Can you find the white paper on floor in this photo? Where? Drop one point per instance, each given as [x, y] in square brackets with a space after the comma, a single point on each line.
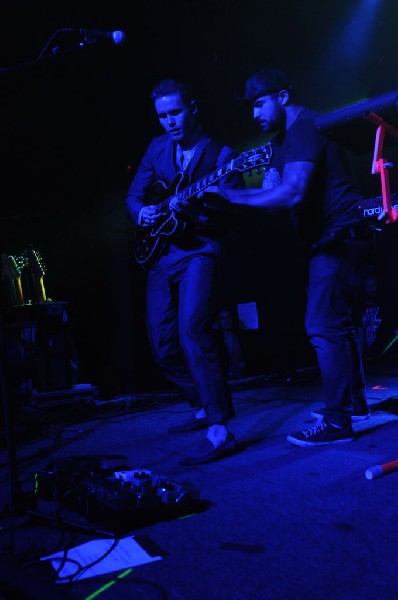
[98, 557]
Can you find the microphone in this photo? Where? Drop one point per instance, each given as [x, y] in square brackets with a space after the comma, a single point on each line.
[117, 37]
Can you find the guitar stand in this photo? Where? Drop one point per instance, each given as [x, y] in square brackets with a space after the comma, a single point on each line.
[381, 166]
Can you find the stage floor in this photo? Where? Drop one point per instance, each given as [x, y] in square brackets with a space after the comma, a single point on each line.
[273, 521]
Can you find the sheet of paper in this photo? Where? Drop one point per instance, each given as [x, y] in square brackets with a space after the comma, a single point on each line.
[98, 557]
[248, 316]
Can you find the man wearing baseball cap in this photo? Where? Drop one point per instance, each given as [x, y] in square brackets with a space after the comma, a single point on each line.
[266, 81]
[312, 177]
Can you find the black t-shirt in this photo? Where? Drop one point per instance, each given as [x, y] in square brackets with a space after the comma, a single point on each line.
[331, 203]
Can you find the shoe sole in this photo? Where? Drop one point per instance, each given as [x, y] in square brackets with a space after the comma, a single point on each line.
[205, 460]
[297, 442]
[217, 453]
[189, 426]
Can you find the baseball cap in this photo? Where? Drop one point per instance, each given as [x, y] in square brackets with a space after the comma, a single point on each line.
[264, 82]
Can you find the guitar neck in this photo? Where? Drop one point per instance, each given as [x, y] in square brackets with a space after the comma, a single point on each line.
[40, 289]
[19, 291]
[198, 186]
[248, 160]
[201, 184]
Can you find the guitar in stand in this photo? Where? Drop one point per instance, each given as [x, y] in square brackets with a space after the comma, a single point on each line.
[12, 273]
[36, 268]
[151, 242]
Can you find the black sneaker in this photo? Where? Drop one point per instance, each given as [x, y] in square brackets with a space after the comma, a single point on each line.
[358, 415]
[321, 433]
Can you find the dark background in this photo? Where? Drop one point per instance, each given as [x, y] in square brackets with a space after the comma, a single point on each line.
[75, 123]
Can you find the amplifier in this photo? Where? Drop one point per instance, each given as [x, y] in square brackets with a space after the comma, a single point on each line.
[45, 326]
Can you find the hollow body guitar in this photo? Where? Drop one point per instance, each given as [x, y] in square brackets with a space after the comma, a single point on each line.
[151, 242]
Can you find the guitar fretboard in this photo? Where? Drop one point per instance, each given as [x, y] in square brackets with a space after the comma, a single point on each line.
[203, 183]
[244, 162]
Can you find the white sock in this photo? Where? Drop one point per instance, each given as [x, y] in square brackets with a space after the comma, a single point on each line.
[200, 414]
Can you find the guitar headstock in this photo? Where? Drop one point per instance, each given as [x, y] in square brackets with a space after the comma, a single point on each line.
[254, 158]
[34, 262]
[12, 265]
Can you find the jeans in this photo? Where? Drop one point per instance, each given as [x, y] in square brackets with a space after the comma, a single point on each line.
[181, 308]
[335, 278]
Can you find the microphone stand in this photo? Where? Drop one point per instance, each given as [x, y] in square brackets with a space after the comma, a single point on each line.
[81, 38]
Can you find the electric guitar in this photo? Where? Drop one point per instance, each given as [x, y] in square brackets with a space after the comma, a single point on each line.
[36, 267]
[12, 269]
[151, 242]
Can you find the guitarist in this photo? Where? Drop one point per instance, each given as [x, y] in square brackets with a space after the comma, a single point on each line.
[312, 177]
[182, 279]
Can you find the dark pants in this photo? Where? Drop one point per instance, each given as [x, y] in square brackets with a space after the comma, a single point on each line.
[181, 308]
[335, 279]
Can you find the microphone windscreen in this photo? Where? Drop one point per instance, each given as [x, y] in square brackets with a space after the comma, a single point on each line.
[119, 37]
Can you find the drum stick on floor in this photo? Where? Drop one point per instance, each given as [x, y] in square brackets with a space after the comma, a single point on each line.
[380, 470]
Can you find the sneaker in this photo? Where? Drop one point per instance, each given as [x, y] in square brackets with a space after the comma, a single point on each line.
[321, 433]
[357, 416]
